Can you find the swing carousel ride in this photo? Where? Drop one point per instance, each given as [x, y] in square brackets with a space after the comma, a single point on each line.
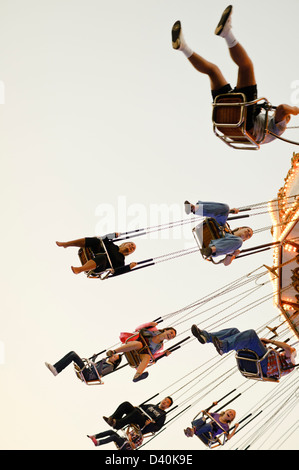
[285, 270]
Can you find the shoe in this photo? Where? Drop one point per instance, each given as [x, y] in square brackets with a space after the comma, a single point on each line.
[51, 368]
[138, 377]
[110, 421]
[175, 35]
[198, 334]
[110, 353]
[93, 440]
[218, 345]
[188, 207]
[225, 22]
[188, 432]
[206, 252]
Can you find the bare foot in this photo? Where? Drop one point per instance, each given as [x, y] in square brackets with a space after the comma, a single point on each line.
[61, 244]
[75, 270]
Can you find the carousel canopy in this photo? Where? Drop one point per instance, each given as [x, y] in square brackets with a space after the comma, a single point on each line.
[285, 272]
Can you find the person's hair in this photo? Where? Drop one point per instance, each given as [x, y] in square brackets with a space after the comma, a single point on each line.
[170, 399]
[126, 243]
[239, 228]
[169, 328]
[117, 362]
[229, 421]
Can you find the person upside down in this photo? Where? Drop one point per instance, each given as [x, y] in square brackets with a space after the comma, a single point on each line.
[246, 82]
[154, 339]
[232, 241]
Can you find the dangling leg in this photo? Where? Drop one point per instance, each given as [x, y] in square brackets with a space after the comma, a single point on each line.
[80, 243]
[89, 266]
[111, 436]
[145, 359]
[237, 52]
[202, 65]
[130, 346]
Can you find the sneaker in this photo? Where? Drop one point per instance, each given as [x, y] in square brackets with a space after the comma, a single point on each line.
[218, 345]
[225, 22]
[51, 368]
[138, 377]
[188, 432]
[206, 252]
[188, 207]
[199, 334]
[175, 35]
[93, 440]
[110, 353]
[110, 421]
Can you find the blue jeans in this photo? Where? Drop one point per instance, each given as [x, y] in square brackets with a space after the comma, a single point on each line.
[219, 212]
[232, 340]
[201, 427]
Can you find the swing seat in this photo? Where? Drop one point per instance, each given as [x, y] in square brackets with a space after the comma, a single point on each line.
[249, 364]
[208, 439]
[91, 365]
[229, 120]
[86, 254]
[134, 357]
[205, 232]
[133, 433]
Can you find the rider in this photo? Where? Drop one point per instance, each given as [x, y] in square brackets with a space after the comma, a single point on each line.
[246, 82]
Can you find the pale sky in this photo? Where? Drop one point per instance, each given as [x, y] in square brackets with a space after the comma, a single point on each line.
[104, 127]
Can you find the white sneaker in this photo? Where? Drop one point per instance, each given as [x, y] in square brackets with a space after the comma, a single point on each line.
[189, 207]
[224, 24]
[51, 368]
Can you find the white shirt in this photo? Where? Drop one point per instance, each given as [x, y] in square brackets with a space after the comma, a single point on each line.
[277, 128]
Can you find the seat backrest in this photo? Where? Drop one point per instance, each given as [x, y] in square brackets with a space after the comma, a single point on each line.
[249, 364]
[85, 254]
[79, 374]
[206, 231]
[224, 111]
[247, 361]
[133, 357]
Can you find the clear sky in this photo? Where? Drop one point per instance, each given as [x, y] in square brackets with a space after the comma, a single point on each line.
[104, 127]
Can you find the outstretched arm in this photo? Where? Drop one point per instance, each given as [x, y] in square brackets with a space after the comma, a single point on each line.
[284, 111]
[230, 435]
[279, 344]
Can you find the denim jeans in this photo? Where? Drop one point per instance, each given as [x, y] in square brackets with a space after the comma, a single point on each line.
[201, 426]
[232, 340]
[219, 212]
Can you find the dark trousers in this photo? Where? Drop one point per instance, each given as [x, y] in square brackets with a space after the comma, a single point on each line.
[132, 415]
[67, 360]
[111, 436]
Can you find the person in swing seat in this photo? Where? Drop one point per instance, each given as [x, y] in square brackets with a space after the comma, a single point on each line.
[154, 339]
[100, 263]
[232, 241]
[231, 339]
[246, 82]
[150, 418]
[220, 423]
[104, 366]
[132, 440]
